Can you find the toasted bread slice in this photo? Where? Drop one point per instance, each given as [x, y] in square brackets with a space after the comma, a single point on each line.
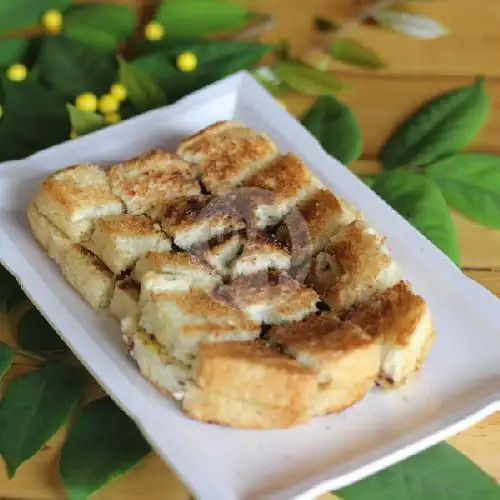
[261, 253]
[355, 265]
[73, 197]
[152, 178]
[289, 181]
[88, 275]
[270, 298]
[181, 319]
[401, 321]
[221, 255]
[120, 240]
[256, 373]
[227, 153]
[182, 266]
[125, 298]
[193, 221]
[213, 408]
[167, 374]
[321, 216]
[345, 358]
[51, 239]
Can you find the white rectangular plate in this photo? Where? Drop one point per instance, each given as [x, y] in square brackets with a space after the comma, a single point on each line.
[459, 384]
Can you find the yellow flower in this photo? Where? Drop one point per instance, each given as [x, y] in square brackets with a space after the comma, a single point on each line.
[118, 91]
[17, 72]
[108, 104]
[187, 61]
[112, 118]
[73, 134]
[86, 102]
[52, 21]
[154, 31]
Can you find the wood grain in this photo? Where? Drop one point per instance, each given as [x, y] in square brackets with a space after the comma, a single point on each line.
[416, 70]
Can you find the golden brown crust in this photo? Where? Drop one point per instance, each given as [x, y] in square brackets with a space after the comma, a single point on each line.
[150, 178]
[196, 140]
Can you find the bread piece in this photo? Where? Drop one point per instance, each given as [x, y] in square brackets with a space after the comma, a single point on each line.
[125, 298]
[167, 374]
[221, 255]
[152, 178]
[271, 298]
[401, 321]
[51, 239]
[227, 153]
[193, 221]
[260, 253]
[345, 358]
[72, 197]
[355, 265]
[289, 181]
[320, 217]
[182, 266]
[181, 319]
[120, 240]
[88, 275]
[256, 373]
[214, 408]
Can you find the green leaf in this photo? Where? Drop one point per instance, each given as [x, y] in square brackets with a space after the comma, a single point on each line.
[102, 26]
[336, 128]
[72, 67]
[103, 444]
[10, 291]
[34, 118]
[202, 17]
[35, 406]
[16, 14]
[409, 23]
[470, 182]
[6, 358]
[216, 59]
[439, 473]
[84, 122]
[350, 51]
[325, 25]
[307, 80]
[443, 125]
[12, 50]
[421, 203]
[142, 91]
[35, 334]
[271, 82]
[369, 180]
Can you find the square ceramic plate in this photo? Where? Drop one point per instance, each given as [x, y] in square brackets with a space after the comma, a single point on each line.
[459, 384]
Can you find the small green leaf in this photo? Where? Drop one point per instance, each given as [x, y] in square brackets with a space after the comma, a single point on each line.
[470, 182]
[325, 25]
[421, 203]
[12, 50]
[35, 406]
[350, 51]
[72, 67]
[10, 291]
[142, 91]
[103, 444]
[369, 180]
[102, 26]
[202, 17]
[408, 23]
[442, 126]
[35, 334]
[265, 76]
[6, 358]
[307, 80]
[439, 473]
[336, 128]
[84, 122]
[16, 14]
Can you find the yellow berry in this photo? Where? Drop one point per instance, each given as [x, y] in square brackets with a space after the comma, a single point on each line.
[17, 72]
[52, 21]
[73, 134]
[282, 103]
[86, 102]
[187, 61]
[112, 118]
[154, 31]
[108, 104]
[118, 91]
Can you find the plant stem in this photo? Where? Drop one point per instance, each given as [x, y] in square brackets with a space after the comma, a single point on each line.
[30, 355]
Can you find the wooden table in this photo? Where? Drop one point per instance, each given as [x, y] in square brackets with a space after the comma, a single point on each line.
[417, 70]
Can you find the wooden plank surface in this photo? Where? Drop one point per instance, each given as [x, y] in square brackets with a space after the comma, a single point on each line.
[416, 70]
